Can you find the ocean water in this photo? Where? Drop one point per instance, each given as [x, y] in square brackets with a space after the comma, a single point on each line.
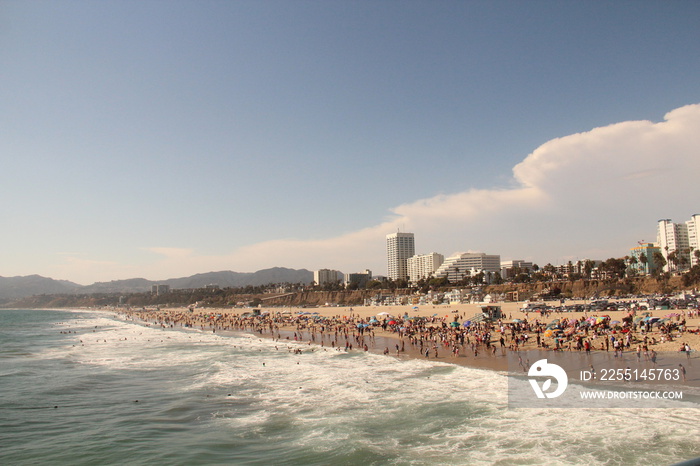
[86, 388]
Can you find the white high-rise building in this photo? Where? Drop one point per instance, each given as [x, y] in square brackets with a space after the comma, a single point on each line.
[423, 265]
[399, 247]
[323, 276]
[460, 265]
[693, 237]
[673, 237]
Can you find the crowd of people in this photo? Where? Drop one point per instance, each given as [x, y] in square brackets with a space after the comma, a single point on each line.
[432, 337]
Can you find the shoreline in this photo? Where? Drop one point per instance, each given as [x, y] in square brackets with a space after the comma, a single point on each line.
[335, 328]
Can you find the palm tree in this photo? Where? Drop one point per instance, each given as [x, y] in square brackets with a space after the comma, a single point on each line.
[643, 259]
[633, 262]
[659, 262]
[673, 259]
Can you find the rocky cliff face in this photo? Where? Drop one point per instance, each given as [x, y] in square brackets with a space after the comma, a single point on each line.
[592, 288]
[322, 298]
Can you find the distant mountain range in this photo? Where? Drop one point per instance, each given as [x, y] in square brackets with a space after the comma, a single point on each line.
[12, 288]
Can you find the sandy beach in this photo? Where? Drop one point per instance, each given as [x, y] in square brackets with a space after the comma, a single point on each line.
[428, 332]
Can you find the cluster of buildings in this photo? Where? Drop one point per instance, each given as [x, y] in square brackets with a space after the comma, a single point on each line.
[405, 264]
[677, 243]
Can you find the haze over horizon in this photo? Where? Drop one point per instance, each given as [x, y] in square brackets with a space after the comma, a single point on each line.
[161, 140]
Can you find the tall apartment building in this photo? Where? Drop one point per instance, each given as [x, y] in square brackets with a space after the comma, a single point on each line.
[460, 265]
[423, 265]
[323, 276]
[399, 247]
[681, 238]
[694, 238]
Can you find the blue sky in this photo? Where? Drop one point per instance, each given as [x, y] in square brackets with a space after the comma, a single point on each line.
[160, 139]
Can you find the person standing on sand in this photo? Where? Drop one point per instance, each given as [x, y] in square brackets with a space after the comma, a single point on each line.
[682, 371]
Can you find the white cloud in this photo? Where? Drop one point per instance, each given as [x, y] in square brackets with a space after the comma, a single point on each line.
[591, 194]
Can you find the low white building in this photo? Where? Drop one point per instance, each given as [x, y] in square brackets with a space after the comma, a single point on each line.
[423, 265]
[509, 268]
[360, 279]
[463, 264]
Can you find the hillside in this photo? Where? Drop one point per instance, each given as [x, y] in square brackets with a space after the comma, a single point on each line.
[18, 287]
[15, 288]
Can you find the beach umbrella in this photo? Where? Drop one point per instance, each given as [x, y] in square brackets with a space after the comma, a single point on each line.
[383, 314]
[548, 333]
[517, 320]
[392, 322]
[615, 322]
[467, 323]
[454, 324]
